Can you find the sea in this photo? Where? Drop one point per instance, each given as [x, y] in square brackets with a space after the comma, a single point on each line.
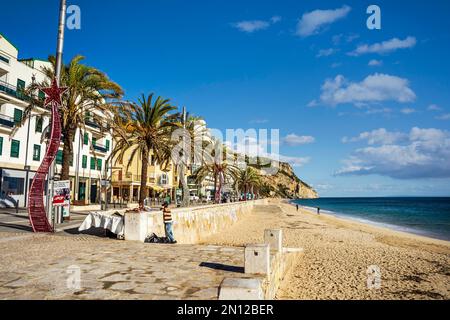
[425, 216]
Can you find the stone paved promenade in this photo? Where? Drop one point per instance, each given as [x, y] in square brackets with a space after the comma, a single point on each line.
[40, 267]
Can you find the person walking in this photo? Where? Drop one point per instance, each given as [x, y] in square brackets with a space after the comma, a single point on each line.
[168, 222]
[296, 207]
[318, 210]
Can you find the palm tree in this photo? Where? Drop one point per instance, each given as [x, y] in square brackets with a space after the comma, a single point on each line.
[144, 128]
[218, 165]
[247, 180]
[89, 93]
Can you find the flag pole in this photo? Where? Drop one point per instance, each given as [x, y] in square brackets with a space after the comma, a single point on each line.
[58, 67]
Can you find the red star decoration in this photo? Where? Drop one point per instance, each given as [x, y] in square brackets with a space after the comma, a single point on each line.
[53, 94]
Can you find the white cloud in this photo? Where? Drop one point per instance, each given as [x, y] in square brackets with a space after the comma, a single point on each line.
[421, 153]
[375, 63]
[336, 65]
[251, 26]
[378, 110]
[312, 104]
[444, 117]
[385, 46]
[433, 107]
[275, 19]
[312, 22]
[337, 39]
[378, 136]
[254, 147]
[408, 110]
[374, 88]
[326, 52]
[295, 140]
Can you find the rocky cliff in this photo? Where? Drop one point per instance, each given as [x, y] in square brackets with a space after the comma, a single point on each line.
[286, 184]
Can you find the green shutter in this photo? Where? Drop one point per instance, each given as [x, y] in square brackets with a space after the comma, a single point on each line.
[15, 148]
[1, 145]
[37, 152]
[20, 88]
[86, 138]
[84, 162]
[59, 157]
[71, 160]
[41, 95]
[99, 164]
[94, 141]
[17, 116]
[107, 145]
[39, 123]
[92, 163]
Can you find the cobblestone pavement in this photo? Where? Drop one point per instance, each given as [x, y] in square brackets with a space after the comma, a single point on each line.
[41, 266]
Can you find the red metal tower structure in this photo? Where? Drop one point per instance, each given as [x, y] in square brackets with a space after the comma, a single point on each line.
[36, 208]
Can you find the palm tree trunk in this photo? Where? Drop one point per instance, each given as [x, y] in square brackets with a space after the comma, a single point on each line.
[67, 153]
[185, 186]
[215, 187]
[143, 189]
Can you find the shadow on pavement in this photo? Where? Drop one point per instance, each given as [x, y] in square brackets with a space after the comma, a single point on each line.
[223, 267]
[97, 232]
[16, 227]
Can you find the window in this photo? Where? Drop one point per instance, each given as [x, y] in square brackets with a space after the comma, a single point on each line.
[4, 59]
[84, 162]
[39, 123]
[59, 157]
[20, 88]
[99, 164]
[164, 179]
[17, 116]
[71, 160]
[86, 138]
[92, 163]
[1, 145]
[15, 148]
[13, 185]
[37, 152]
[94, 141]
[41, 95]
[107, 145]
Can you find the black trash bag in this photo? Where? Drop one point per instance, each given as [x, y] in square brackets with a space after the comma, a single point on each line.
[153, 238]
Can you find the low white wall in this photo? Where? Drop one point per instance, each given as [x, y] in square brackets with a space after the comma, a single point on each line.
[193, 224]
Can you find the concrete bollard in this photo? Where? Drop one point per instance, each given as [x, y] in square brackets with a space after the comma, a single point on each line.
[136, 225]
[240, 289]
[257, 259]
[274, 237]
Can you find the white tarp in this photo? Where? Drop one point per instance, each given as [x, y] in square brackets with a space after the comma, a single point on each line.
[112, 222]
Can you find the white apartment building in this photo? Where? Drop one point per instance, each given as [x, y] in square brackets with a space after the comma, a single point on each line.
[22, 153]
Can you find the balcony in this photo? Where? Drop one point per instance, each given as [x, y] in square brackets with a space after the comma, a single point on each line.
[91, 123]
[100, 148]
[12, 91]
[7, 121]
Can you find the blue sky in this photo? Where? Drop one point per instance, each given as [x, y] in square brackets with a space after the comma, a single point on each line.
[361, 112]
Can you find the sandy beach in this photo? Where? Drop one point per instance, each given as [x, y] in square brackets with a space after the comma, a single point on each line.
[338, 253]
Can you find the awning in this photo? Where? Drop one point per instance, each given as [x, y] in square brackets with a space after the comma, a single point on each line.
[157, 188]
